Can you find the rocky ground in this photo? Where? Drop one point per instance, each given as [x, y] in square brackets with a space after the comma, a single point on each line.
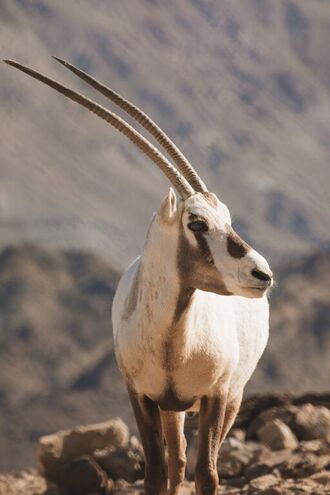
[278, 445]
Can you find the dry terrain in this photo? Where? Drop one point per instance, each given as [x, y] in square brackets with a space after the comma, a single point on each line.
[280, 445]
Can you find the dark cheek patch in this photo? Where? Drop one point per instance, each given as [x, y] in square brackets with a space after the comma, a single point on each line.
[236, 247]
[204, 249]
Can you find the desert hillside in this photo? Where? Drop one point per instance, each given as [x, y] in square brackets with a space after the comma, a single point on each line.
[297, 357]
[57, 363]
[242, 86]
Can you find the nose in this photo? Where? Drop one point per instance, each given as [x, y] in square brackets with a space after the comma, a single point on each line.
[263, 276]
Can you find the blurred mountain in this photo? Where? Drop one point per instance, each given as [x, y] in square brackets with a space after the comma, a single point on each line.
[242, 85]
[57, 363]
[56, 352]
[297, 357]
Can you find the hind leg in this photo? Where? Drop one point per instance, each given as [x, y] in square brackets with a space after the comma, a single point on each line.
[232, 408]
[172, 424]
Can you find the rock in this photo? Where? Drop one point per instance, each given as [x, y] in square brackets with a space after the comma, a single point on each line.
[303, 486]
[321, 399]
[277, 435]
[322, 478]
[121, 483]
[84, 476]
[307, 422]
[257, 469]
[64, 446]
[313, 422]
[266, 463]
[263, 483]
[286, 414]
[235, 455]
[237, 433]
[229, 468]
[253, 406]
[26, 483]
[303, 465]
[123, 462]
[314, 446]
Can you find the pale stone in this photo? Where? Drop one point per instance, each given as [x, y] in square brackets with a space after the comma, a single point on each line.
[313, 422]
[57, 449]
[277, 435]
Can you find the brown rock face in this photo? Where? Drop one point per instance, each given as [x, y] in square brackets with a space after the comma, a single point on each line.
[62, 447]
[308, 422]
[123, 462]
[84, 476]
[235, 455]
[264, 482]
[303, 465]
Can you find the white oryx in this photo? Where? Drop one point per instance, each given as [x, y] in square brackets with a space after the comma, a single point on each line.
[190, 315]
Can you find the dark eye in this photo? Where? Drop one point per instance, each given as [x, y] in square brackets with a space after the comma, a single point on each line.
[198, 226]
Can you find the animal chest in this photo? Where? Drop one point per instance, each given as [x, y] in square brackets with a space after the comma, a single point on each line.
[179, 370]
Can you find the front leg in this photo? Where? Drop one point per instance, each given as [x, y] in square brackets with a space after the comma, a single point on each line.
[148, 420]
[173, 425]
[211, 419]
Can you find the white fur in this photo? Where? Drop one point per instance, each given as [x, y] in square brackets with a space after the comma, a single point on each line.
[219, 339]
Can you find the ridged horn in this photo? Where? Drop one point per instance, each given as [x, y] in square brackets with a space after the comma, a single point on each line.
[179, 182]
[142, 118]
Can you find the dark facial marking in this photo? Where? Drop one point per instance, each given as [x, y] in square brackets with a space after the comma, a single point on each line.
[196, 269]
[236, 247]
[204, 249]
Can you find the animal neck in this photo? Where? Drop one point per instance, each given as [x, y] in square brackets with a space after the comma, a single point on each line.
[164, 299]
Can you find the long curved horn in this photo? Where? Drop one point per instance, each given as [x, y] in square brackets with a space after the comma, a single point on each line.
[163, 139]
[178, 181]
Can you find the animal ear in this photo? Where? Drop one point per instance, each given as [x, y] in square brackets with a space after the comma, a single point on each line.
[168, 208]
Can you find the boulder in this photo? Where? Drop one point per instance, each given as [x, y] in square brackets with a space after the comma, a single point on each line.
[64, 446]
[286, 414]
[313, 422]
[126, 462]
[237, 433]
[263, 483]
[235, 455]
[83, 476]
[322, 478]
[253, 406]
[277, 435]
[266, 463]
[303, 465]
[314, 446]
[308, 422]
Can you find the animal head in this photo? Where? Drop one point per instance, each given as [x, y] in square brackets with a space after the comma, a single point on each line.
[211, 255]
